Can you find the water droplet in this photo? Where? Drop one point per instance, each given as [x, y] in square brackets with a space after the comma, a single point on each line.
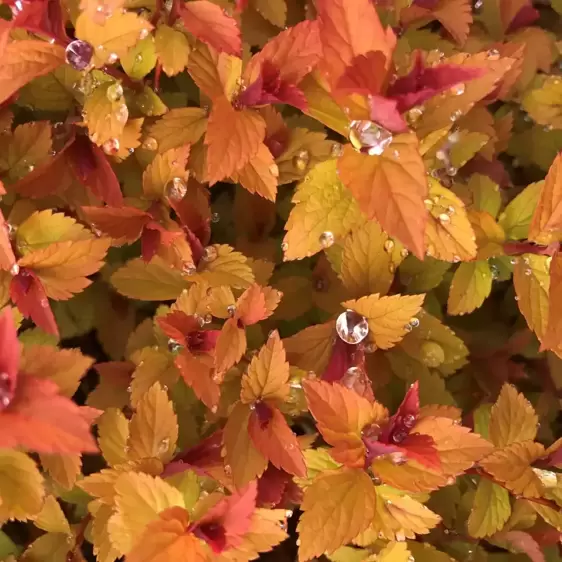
[494, 270]
[397, 458]
[163, 446]
[451, 171]
[444, 218]
[174, 346]
[404, 253]
[428, 204]
[78, 54]
[391, 268]
[111, 146]
[11, 230]
[227, 469]
[301, 160]
[528, 272]
[130, 388]
[370, 347]
[176, 189]
[389, 245]
[150, 143]
[231, 309]
[431, 354]
[409, 420]
[274, 170]
[336, 150]
[351, 376]
[352, 327]
[326, 239]
[455, 115]
[376, 480]
[414, 114]
[399, 436]
[114, 92]
[208, 318]
[441, 155]
[458, 89]
[517, 297]
[493, 54]
[15, 269]
[369, 138]
[112, 58]
[121, 113]
[215, 217]
[414, 322]
[188, 268]
[210, 254]
[144, 33]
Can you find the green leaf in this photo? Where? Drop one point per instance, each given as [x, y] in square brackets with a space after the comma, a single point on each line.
[490, 511]
[516, 218]
[141, 59]
[472, 284]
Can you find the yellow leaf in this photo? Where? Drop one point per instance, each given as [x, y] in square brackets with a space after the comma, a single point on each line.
[138, 501]
[141, 59]
[490, 236]
[485, 194]
[51, 517]
[490, 511]
[24, 60]
[512, 418]
[179, 127]
[153, 427]
[390, 188]
[544, 104]
[229, 268]
[162, 170]
[552, 516]
[274, 11]
[531, 281]
[367, 262]
[516, 217]
[103, 548]
[470, 287]
[268, 373]
[64, 469]
[546, 225]
[511, 466]
[311, 348]
[51, 547]
[259, 175]
[21, 486]
[422, 276]
[412, 476]
[115, 37]
[337, 507]
[113, 435]
[322, 206]
[394, 552]
[172, 48]
[240, 454]
[449, 235]
[154, 281]
[388, 317]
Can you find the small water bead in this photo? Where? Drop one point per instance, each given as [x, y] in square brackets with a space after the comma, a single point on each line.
[414, 114]
[451, 171]
[114, 92]
[404, 253]
[78, 54]
[121, 113]
[397, 458]
[11, 230]
[174, 346]
[493, 54]
[352, 327]
[455, 115]
[428, 204]
[231, 309]
[301, 160]
[441, 155]
[15, 269]
[370, 347]
[188, 269]
[6, 390]
[112, 58]
[284, 246]
[163, 446]
[208, 318]
[414, 322]
[111, 146]
[495, 271]
[458, 89]
[391, 268]
[176, 189]
[367, 137]
[274, 170]
[326, 239]
[528, 272]
[444, 218]
[336, 150]
[215, 218]
[389, 245]
[209, 254]
[351, 376]
[399, 436]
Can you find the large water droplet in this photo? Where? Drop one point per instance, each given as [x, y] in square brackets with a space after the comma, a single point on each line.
[78, 54]
[114, 92]
[352, 327]
[326, 239]
[176, 189]
[369, 138]
[150, 143]
[389, 245]
[209, 254]
[111, 146]
[432, 354]
[188, 268]
[336, 150]
[301, 160]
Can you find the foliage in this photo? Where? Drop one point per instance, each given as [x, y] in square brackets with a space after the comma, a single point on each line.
[280, 279]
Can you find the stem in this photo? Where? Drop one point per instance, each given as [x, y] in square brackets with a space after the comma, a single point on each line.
[157, 12]
[527, 247]
[157, 72]
[175, 11]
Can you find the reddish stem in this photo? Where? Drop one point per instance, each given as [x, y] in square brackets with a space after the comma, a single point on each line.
[157, 12]
[175, 11]
[157, 72]
[527, 247]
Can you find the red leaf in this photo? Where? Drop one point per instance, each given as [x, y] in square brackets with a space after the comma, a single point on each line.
[28, 294]
[94, 171]
[186, 330]
[209, 23]
[384, 111]
[400, 424]
[41, 420]
[204, 455]
[365, 74]
[197, 371]
[271, 486]
[121, 223]
[9, 357]
[422, 449]
[43, 17]
[7, 257]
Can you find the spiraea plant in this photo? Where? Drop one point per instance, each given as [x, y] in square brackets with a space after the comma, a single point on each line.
[280, 280]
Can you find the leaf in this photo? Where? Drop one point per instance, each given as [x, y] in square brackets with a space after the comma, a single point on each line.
[240, 454]
[138, 501]
[230, 152]
[141, 59]
[422, 276]
[531, 281]
[152, 366]
[113, 435]
[172, 49]
[511, 466]
[470, 287]
[227, 268]
[337, 507]
[367, 261]
[259, 175]
[198, 373]
[490, 511]
[231, 345]
[105, 117]
[116, 36]
[388, 317]
[552, 336]
[121, 223]
[21, 486]
[24, 60]
[516, 217]
[153, 427]
[543, 104]
[154, 281]
[311, 348]
[268, 373]
[210, 24]
[63, 469]
[179, 127]
[390, 188]
[546, 223]
[340, 20]
[65, 367]
[162, 170]
[322, 204]
[275, 440]
[167, 538]
[512, 418]
[449, 234]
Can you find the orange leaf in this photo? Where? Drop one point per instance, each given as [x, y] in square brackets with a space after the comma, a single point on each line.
[260, 174]
[256, 303]
[197, 373]
[231, 345]
[233, 138]
[24, 60]
[274, 439]
[121, 223]
[311, 348]
[512, 467]
[390, 188]
[546, 223]
[162, 170]
[268, 373]
[179, 127]
[553, 336]
[209, 23]
[337, 507]
[411, 476]
[241, 456]
[7, 257]
[349, 28]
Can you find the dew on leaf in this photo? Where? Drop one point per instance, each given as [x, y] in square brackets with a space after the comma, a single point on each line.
[215, 217]
[112, 58]
[111, 146]
[188, 268]
[352, 327]
[458, 89]
[114, 92]
[301, 160]
[369, 138]
[176, 189]
[231, 309]
[336, 150]
[326, 239]
[78, 54]
[444, 218]
[15, 269]
[389, 245]
[209, 254]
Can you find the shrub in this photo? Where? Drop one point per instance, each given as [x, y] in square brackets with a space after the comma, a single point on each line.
[280, 277]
